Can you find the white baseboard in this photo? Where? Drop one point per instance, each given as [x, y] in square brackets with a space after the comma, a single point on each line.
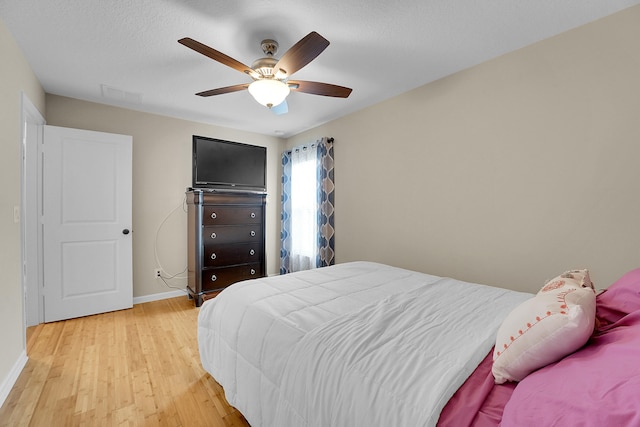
[8, 383]
[159, 296]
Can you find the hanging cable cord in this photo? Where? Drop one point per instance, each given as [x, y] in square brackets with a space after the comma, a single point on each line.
[163, 275]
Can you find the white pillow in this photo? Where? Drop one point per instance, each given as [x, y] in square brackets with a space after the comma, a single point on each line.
[556, 322]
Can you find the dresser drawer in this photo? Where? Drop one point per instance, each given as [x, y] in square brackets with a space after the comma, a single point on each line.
[229, 215]
[221, 255]
[217, 278]
[231, 234]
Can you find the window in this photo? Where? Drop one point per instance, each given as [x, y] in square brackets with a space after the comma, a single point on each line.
[307, 207]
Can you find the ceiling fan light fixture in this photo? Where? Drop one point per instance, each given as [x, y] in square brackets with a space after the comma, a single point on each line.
[269, 92]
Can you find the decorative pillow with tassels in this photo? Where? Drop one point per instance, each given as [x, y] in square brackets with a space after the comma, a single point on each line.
[556, 322]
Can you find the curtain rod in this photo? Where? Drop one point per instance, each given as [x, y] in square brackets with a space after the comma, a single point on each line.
[330, 139]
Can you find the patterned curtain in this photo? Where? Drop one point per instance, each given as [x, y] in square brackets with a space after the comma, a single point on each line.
[307, 234]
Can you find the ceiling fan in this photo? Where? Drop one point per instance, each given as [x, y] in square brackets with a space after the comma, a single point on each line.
[271, 84]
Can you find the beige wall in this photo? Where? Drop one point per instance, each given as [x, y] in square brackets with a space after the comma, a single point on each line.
[161, 173]
[16, 77]
[507, 173]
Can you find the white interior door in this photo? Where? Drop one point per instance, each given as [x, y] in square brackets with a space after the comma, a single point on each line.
[87, 223]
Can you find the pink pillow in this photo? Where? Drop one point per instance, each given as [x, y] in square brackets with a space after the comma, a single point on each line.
[556, 322]
[619, 299]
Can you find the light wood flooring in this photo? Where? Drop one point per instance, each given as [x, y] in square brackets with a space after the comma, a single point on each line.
[136, 367]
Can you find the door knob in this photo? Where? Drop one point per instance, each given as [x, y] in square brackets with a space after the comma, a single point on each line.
[125, 231]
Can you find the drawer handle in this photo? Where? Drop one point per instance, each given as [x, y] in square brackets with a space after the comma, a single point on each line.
[253, 233]
[252, 252]
[213, 235]
[253, 272]
[213, 215]
[213, 278]
[253, 214]
[213, 256]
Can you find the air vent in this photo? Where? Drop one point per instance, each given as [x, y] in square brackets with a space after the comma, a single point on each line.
[121, 95]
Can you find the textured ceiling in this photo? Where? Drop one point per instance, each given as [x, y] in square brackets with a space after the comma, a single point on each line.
[381, 48]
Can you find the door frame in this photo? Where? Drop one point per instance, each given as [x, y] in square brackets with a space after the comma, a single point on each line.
[30, 216]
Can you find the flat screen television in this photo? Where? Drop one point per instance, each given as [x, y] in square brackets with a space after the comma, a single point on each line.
[219, 164]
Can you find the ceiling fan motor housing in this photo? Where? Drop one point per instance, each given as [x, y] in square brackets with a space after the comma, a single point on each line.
[265, 66]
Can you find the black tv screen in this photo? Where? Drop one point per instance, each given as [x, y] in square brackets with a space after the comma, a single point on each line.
[228, 165]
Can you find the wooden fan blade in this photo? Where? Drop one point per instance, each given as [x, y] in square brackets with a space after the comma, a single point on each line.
[301, 54]
[217, 56]
[222, 90]
[316, 88]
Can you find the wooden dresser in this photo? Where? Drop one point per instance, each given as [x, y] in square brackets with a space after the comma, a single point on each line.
[226, 240]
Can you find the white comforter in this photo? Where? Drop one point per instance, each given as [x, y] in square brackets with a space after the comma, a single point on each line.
[356, 344]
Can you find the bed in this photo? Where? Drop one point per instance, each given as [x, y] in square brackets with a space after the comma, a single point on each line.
[367, 344]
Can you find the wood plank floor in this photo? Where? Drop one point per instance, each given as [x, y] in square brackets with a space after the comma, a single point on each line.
[136, 367]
